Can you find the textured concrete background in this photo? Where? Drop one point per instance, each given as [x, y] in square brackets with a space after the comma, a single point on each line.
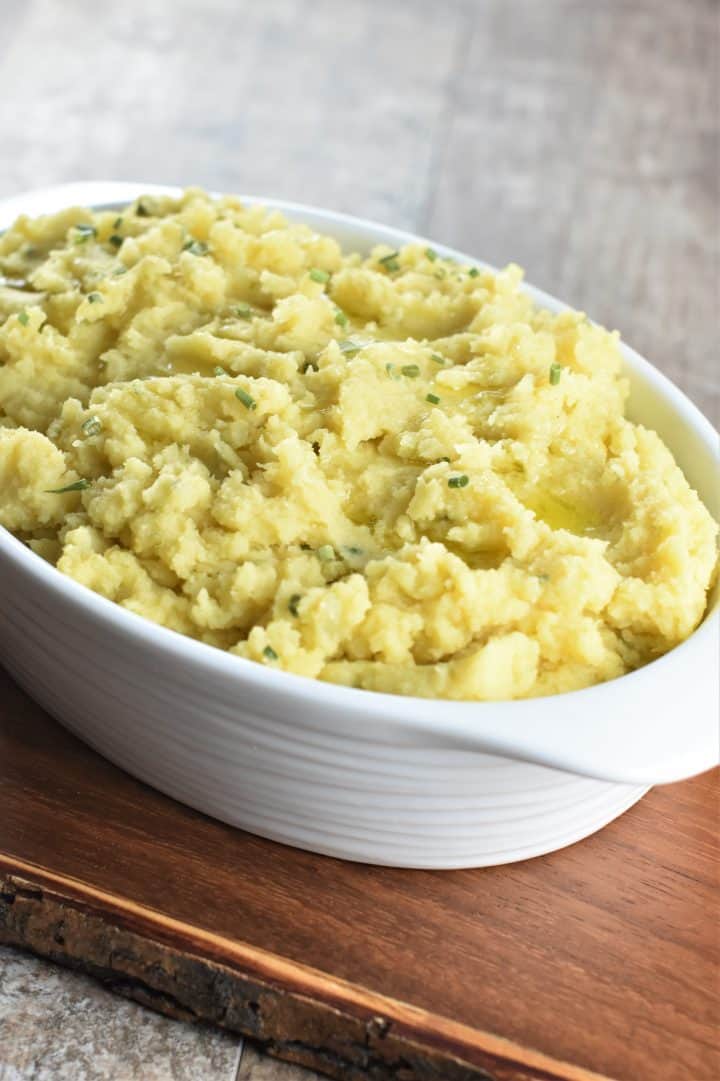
[577, 138]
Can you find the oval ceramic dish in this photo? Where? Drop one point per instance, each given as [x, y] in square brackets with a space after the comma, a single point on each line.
[365, 776]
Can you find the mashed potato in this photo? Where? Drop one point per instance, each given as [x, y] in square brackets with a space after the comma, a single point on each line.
[390, 472]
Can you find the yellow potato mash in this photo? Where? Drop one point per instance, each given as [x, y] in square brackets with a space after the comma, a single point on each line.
[392, 472]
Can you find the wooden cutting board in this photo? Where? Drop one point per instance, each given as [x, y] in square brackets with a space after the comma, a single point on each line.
[600, 960]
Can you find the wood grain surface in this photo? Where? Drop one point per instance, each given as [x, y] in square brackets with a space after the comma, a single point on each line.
[599, 960]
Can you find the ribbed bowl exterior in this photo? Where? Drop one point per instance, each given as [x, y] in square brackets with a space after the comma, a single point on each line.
[292, 776]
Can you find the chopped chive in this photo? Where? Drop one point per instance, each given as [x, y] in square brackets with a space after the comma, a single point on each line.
[412, 371]
[23, 318]
[432, 398]
[84, 232]
[341, 318]
[390, 262]
[325, 553]
[555, 373]
[247, 400]
[431, 254]
[120, 270]
[318, 275]
[76, 486]
[353, 550]
[94, 298]
[218, 370]
[117, 223]
[92, 426]
[293, 604]
[141, 210]
[349, 347]
[437, 358]
[439, 273]
[243, 311]
[195, 247]
[390, 369]
[116, 240]
[270, 653]
[458, 482]
[473, 272]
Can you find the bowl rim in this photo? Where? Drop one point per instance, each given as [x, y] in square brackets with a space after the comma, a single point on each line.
[505, 727]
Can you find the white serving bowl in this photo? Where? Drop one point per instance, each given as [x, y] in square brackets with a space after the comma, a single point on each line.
[385, 779]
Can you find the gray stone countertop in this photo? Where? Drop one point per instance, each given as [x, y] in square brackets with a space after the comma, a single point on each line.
[57, 1025]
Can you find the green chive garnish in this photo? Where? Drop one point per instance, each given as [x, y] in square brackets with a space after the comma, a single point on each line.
[353, 550]
[325, 553]
[410, 370]
[141, 210]
[94, 298]
[439, 273]
[555, 373]
[92, 426]
[218, 370]
[340, 318]
[195, 247]
[116, 240]
[243, 311]
[120, 270]
[293, 604]
[473, 272]
[349, 348]
[76, 486]
[270, 653]
[431, 254]
[390, 261]
[437, 358]
[243, 396]
[84, 232]
[318, 275]
[432, 398]
[24, 318]
[458, 482]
